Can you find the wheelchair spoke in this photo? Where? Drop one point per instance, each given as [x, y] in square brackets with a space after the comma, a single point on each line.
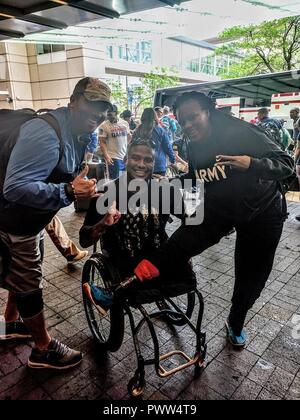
[108, 330]
[101, 324]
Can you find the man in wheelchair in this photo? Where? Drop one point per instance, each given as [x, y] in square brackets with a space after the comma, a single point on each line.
[129, 238]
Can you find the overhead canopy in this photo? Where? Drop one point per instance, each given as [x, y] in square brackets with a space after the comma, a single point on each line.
[22, 17]
[254, 87]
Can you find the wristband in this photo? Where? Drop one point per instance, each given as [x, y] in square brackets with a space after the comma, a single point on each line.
[70, 191]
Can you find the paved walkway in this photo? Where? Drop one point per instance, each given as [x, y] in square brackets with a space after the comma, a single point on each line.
[269, 367]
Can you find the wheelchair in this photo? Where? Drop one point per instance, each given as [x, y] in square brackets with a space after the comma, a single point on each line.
[172, 306]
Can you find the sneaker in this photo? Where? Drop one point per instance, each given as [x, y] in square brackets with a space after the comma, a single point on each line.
[101, 298]
[57, 356]
[78, 257]
[12, 330]
[236, 340]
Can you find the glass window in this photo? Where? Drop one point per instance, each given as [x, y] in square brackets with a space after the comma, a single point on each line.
[109, 51]
[140, 52]
[57, 47]
[49, 48]
[43, 49]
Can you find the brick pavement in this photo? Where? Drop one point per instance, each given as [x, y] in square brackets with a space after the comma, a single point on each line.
[268, 368]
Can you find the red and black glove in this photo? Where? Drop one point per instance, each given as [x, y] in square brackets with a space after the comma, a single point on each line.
[145, 270]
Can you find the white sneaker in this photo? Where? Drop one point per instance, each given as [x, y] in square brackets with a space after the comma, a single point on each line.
[78, 257]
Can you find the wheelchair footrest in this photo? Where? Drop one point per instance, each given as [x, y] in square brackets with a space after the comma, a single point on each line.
[163, 373]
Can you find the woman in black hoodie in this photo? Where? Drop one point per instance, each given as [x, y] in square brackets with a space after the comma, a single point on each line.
[242, 170]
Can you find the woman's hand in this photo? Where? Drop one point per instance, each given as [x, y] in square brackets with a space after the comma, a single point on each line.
[241, 163]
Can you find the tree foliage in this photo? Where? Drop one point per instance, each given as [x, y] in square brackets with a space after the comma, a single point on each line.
[265, 48]
[160, 77]
[143, 95]
[118, 94]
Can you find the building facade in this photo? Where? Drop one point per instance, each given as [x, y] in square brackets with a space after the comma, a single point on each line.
[44, 75]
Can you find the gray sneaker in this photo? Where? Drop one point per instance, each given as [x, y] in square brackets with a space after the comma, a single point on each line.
[57, 356]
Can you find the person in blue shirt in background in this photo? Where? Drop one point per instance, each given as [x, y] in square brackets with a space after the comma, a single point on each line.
[151, 130]
[169, 122]
[271, 126]
[92, 146]
[41, 177]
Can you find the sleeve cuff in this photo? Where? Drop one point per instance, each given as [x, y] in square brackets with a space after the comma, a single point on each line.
[63, 196]
[254, 165]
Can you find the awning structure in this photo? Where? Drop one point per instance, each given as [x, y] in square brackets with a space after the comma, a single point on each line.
[22, 17]
[253, 87]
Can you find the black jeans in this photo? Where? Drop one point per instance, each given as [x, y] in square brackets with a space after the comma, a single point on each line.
[256, 244]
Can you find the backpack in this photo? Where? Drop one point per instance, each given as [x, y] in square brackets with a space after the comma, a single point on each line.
[173, 125]
[272, 130]
[10, 125]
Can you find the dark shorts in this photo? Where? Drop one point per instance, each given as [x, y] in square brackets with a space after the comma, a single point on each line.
[22, 261]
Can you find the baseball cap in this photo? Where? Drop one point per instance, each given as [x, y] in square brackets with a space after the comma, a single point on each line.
[114, 108]
[127, 113]
[93, 90]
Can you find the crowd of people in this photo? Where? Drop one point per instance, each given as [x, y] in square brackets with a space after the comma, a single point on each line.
[242, 166]
[287, 140]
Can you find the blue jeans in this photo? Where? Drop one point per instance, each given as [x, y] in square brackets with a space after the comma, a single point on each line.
[116, 169]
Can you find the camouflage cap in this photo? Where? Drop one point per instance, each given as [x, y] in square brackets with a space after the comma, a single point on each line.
[93, 89]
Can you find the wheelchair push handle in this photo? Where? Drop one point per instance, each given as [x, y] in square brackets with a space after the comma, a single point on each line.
[125, 283]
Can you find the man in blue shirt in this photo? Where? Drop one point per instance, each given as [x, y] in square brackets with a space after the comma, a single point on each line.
[42, 176]
[271, 126]
[92, 146]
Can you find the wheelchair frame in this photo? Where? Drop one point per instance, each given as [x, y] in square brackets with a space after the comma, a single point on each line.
[137, 383]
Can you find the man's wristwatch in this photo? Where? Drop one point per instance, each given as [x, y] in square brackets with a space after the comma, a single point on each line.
[70, 191]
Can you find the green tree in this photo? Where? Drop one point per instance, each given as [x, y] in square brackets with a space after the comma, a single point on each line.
[265, 48]
[118, 94]
[160, 77]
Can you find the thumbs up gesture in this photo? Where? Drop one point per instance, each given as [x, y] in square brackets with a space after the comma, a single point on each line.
[84, 188]
[84, 172]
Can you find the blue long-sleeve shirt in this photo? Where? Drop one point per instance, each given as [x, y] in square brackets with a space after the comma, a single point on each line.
[163, 149]
[34, 157]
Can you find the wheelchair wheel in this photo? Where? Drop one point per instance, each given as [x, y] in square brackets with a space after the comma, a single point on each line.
[136, 386]
[108, 331]
[185, 302]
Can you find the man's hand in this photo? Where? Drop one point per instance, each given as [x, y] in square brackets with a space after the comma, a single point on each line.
[84, 188]
[186, 167]
[241, 163]
[109, 160]
[112, 216]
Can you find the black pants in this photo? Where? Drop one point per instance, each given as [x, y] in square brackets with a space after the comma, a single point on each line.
[255, 248]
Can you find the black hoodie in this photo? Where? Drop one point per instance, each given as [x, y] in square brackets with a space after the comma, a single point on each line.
[236, 194]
